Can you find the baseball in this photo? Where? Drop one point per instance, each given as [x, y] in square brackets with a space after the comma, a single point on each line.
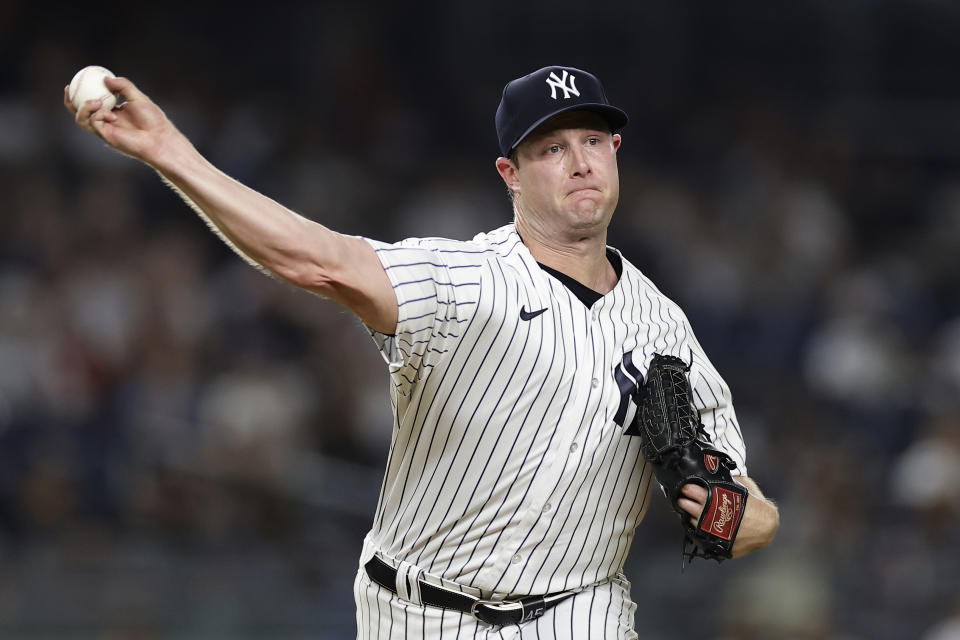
[88, 84]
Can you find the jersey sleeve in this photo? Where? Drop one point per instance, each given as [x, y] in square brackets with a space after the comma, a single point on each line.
[435, 289]
[713, 398]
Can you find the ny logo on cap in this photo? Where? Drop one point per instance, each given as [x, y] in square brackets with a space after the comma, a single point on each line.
[561, 83]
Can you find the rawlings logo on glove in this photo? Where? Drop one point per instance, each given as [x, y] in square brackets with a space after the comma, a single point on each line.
[676, 444]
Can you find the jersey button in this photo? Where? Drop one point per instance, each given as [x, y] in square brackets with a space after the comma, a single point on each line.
[574, 447]
[516, 559]
[595, 383]
[547, 507]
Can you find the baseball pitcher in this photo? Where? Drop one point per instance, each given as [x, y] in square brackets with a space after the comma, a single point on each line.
[542, 386]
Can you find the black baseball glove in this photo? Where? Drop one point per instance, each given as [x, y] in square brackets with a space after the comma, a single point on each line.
[676, 444]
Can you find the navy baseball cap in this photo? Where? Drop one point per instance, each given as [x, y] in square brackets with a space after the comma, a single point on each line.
[533, 99]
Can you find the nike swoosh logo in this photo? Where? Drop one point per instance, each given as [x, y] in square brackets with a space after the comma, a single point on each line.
[530, 315]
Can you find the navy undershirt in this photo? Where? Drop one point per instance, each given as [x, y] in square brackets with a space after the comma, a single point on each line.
[585, 294]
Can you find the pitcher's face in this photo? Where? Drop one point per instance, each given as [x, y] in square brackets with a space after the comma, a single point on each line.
[566, 174]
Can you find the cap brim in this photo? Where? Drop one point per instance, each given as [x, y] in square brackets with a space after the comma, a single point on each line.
[616, 118]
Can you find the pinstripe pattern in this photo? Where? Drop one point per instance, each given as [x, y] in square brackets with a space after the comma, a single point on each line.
[602, 613]
[509, 471]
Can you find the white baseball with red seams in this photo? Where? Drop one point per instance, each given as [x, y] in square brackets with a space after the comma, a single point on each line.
[88, 84]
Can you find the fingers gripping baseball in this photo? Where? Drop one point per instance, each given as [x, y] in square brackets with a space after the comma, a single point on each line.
[136, 127]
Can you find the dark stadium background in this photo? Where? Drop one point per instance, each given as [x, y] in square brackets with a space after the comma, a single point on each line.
[191, 450]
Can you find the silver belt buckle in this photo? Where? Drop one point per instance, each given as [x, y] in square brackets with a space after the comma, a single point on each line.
[495, 604]
[477, 603]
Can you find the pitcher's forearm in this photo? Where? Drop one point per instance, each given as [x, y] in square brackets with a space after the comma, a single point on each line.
[343, 268]
[761, 520]
[260, 229]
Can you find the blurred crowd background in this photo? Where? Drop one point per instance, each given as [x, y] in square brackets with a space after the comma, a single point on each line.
[190, 449]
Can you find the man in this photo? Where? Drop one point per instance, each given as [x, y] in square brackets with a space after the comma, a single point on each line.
[511, 492]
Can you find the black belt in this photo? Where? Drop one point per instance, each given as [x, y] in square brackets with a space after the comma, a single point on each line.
[494, 612]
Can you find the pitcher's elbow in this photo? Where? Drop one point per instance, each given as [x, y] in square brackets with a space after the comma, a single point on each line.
[308, 276]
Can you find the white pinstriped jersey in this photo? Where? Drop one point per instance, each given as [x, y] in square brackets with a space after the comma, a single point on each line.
[509, 470]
